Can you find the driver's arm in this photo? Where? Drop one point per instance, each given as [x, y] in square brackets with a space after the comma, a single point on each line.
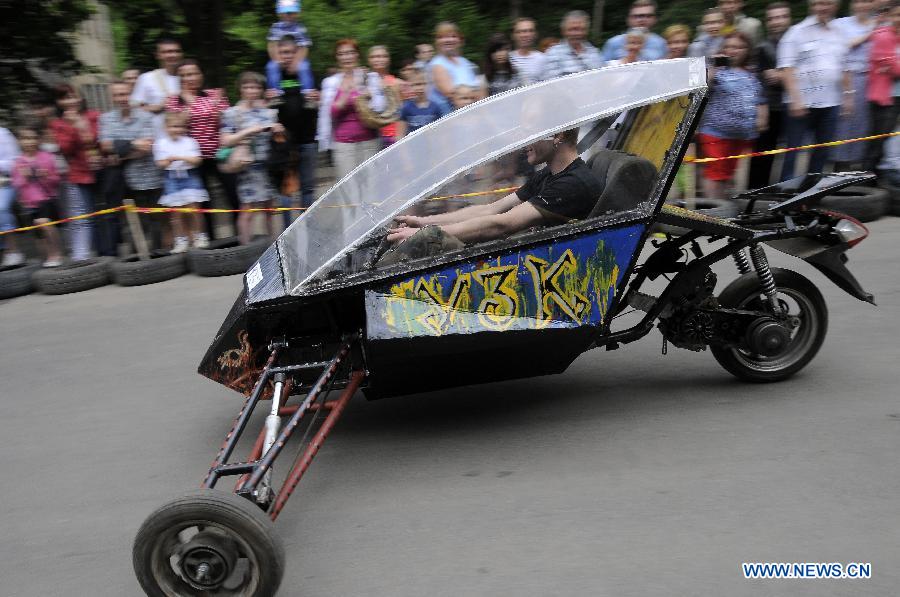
[495, 226]
[473, 211]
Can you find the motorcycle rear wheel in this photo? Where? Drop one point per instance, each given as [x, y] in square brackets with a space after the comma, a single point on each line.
[803, 302]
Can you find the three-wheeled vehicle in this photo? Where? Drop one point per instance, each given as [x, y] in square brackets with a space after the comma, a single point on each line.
[332, 307]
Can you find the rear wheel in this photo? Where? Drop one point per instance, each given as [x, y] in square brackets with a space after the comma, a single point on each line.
[208, 543]
[806, 311]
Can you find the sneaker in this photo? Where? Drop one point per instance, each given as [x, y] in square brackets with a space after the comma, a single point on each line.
[12, 258]
[181, 244]
[53, 262]
[201, 241]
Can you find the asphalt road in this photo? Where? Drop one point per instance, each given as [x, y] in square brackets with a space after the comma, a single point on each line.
[632, 474]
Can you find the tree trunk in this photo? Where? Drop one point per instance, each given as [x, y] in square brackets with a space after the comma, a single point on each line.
[597, 20]
[515, 9]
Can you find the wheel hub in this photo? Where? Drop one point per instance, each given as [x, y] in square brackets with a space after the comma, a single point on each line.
[207, 561]
[767, 337]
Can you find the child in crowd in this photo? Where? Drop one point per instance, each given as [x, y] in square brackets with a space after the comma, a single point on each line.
[36, 180]
[287, 24]
[179, 156]
[418, 111]
[463, 95]
[634, 43]
[737, 111]
[709, 42]
[424, 54]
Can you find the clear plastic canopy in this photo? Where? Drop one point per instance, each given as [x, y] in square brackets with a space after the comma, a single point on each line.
[397, 177]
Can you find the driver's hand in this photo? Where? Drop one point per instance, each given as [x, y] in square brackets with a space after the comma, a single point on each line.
[411, 221]
[398, 235]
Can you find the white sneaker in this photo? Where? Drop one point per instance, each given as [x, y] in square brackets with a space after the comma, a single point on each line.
[12, 258]
[55, 262]
[181, 244]
[201, 241]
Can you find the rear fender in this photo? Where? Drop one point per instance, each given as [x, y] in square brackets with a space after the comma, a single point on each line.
[830, 260]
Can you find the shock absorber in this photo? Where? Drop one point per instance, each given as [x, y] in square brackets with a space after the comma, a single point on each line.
[758, 256]
[741, 261]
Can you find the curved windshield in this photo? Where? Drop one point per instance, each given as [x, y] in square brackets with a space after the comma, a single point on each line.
[468, 155]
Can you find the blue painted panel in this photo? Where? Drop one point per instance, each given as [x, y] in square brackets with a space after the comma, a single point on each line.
[564, 284]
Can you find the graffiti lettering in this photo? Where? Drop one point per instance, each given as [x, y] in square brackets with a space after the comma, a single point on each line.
[557, 285]
[500, 305]
[442, 312]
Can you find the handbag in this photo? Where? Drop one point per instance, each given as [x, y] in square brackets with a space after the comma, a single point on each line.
[376, 120]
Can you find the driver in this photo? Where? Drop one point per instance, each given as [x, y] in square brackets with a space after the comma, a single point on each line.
[564, 190]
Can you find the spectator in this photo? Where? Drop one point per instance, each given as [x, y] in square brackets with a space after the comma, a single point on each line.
[340, 128]
[463, 95]
[634, 43]
[9, 151]
[574, 54]
[204, 108]
[642, 13]
[251, 122]
[424, 54]
[180, 156]
[418, 111]
[678, 38]
[778, 19]
[153, 88]
[883, 91]
[857, 30]
[735, 20]
[449, 69]
[288, 25]
[380, 62]
[130, 77]
[812, 61]
[407, 69]
[297, 112]
[527, 61]
[75, 132]
[709, 42]
[889, 167]
[36, 181]
[128, 134]
[276, 69]
[499, 72]
[736, 112]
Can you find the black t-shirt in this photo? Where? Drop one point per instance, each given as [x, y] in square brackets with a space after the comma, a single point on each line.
[570, 193]
[299, 121]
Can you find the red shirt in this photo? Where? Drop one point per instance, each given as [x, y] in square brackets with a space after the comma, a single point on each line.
[75, 149]
[205, 112]
[884, 66]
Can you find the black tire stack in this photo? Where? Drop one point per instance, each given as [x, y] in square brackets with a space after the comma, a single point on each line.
[73, 277]
[132, 271]
[16, 280]
[226, 257]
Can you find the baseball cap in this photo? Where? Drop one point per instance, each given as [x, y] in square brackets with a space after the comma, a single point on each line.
[282, 6]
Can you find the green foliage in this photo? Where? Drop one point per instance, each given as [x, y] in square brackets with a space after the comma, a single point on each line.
[36, 35]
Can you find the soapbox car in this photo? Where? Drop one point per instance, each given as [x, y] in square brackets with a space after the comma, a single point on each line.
[332, 307]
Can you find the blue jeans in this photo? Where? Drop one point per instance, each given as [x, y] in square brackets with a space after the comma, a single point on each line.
[79, 200]
[7, 219]
[306, 171]
[821, 123]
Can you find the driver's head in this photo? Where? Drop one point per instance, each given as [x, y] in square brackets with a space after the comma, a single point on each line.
[542, 150]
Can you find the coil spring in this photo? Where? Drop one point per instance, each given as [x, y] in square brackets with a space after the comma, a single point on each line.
[741, 261]
[765, 276]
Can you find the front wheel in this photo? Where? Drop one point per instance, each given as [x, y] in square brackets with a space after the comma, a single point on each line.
[804, 306]
[208, 543]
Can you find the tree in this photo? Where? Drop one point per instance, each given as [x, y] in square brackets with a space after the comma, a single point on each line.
[36, 37]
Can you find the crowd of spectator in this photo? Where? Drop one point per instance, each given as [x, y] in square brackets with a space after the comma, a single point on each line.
[171, 141]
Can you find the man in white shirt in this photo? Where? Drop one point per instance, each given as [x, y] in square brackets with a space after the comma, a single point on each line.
[153, 87]
[574, 53]
[812, 61]
[527, 61]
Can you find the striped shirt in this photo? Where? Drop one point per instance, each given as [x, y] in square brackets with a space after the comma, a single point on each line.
[205, 113]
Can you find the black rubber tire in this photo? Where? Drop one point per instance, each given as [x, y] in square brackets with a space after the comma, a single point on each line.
[893, 197]
[17, 280]
[865, 204]
[131, 271]
[245, 524]
[226, 257]
[73, 277]
[721, 208]
[806, 342]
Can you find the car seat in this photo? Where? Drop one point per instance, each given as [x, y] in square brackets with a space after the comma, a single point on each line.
[627, 180]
